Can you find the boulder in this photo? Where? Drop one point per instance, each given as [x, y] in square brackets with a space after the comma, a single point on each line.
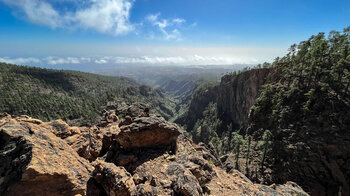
[200, 168]
[36, 162]
[114, 180]
[150, 131]
[289, 188]
[134, 110]
[183, 181]
[108, 117]
[208, 152]
[146, 190]
[229, 162]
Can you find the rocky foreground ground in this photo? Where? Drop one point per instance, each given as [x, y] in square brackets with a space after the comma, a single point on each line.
[131, 152]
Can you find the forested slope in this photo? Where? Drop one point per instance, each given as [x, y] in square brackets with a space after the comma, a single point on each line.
[288, 122]
[50, 94]
[304, 118]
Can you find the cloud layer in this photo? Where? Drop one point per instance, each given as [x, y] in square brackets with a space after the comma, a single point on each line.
[151, 55]
[142, 60]
[104, 16]
[20, 61]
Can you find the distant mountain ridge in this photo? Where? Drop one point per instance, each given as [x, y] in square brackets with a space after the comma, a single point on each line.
[175, 80]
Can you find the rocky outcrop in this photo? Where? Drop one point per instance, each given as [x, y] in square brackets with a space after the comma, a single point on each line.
[159, 161]
[33, 161]
[86, 141]
[148, 132]
[236, 183]
[189, 173]
[114, 180]
[133, 110]
[289, 188]
[183, 181]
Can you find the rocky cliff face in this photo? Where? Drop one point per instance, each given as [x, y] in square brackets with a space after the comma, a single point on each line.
[309, 137]
[237, 93]
[312, 150]
[131, 152]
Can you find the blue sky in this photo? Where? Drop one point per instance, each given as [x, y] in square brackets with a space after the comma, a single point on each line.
[160, 32]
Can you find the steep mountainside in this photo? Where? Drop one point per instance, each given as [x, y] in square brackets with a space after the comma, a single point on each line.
[304, 118]
[218, 109]
[288, 122]
[70, 95]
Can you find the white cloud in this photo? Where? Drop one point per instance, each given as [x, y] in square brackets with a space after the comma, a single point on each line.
[153, 60]
[162, 24]
[39, 12]
[101, 61]
[174, 34]
[152, 17]
[104, 16]
[166, 27]
[52, 60]
[183, 60]
[149, 60]
[20, 61]
[154, 55]
[179, 20]
[84, 59]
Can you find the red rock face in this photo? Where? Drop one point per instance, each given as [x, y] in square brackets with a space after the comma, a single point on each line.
[237, 94]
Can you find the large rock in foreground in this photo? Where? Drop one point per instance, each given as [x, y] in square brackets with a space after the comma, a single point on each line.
[149, 131]
[33, 161]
